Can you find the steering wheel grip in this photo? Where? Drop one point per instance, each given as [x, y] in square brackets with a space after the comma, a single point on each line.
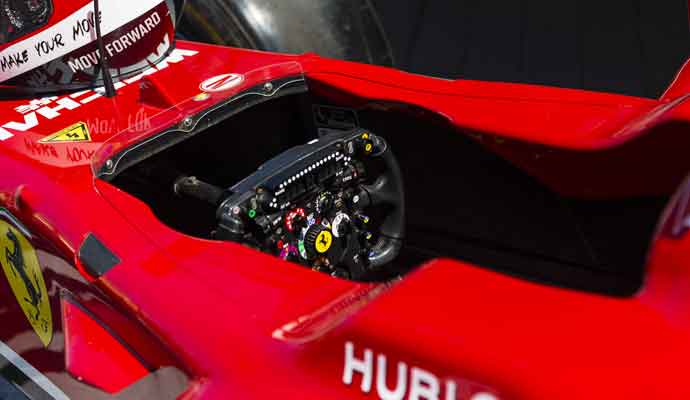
[388, 190]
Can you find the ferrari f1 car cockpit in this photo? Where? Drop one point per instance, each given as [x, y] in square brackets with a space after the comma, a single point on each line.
[188, 217]
[334, 203]
[369, 190]
[330, 171]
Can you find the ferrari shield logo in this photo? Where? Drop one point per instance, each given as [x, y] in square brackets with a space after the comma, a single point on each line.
[324, 241]
[78, 132]
[20, 264]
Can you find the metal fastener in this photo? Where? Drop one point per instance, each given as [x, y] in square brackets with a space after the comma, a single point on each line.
[188, 122]
[109, 164]
[268, 87]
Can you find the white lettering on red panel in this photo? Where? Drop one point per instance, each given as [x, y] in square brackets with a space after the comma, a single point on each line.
[410, 383]
[52, 107]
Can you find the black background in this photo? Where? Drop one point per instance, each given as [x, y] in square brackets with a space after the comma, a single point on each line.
[632, 47]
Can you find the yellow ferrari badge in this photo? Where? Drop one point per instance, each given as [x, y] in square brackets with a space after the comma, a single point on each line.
[78, 132]
[20, 264]
[324, 241]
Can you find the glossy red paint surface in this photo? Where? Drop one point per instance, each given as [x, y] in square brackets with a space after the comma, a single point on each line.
[574, 141]
[93, 355]
[246, 325]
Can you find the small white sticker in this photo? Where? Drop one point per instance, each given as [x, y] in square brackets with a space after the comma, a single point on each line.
[221, 83]
[337, 221]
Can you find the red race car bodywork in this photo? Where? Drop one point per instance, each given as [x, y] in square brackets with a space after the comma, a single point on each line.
[176, 315]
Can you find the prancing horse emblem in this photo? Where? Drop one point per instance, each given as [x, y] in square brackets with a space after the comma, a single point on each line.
[16, 261]
[24, 275]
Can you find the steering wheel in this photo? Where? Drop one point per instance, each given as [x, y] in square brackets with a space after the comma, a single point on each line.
[308, 204]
